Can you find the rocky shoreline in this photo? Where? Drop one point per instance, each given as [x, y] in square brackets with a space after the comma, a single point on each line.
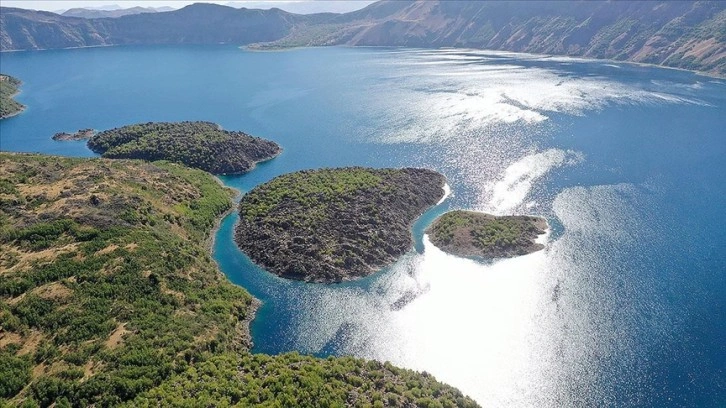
[81, 134]
[9, 88]
[333, 225]
[473, 234]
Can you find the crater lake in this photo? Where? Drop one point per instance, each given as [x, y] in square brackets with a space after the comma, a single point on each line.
[624, 307]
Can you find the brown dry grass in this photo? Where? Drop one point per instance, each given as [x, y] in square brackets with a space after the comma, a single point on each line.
[30, 342]
[116, 337]
[107, 250]
[9, 338]
[39, 370]
[26, 259]
[178, 295]
[53, 291]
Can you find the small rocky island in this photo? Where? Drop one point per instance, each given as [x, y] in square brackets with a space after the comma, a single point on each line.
[473, 234]
[82, 134]
[201, 145]
[333, 225]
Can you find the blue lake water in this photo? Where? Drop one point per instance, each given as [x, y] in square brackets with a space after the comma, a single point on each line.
[625, 307]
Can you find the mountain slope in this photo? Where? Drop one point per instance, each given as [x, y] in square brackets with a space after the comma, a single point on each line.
[31, 30]
[680, 34]
[688, 35]
[195, 24]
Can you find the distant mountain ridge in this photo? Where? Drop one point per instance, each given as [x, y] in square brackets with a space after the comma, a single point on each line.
[22, 29]
[99, 13]
[690, 35]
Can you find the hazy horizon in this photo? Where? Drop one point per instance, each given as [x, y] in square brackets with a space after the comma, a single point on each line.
[293, 6]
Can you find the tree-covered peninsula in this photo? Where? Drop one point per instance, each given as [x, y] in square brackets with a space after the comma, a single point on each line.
[200, 145]
[472, 234]
[109, 297]
[331, 225]
[8, 89]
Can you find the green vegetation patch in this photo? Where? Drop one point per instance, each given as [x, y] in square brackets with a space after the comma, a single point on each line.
[15, 372]
[105, 288]
[331, 225]
[471, 234]
[8, 89]
[109, 297]
[201, 145]
[292, 380]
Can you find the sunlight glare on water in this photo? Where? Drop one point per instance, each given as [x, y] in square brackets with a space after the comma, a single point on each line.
[476, 325]
[536, 330]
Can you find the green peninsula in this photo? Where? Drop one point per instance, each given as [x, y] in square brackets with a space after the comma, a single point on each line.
[109, 297]
[472, 234]
[332, 225]
[8, 89]
[200, 145]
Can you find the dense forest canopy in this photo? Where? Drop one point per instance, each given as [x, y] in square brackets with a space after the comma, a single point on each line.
[200, 145]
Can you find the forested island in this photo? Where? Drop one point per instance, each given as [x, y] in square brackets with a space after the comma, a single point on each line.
[473, 234]
[200, 145]
[8, 89]
[109, 297]
[332, 225]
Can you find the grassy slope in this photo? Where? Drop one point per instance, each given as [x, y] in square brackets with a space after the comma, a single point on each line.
[109, 296]
[8, 88]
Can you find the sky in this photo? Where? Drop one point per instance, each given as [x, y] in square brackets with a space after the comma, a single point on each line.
[294, 6]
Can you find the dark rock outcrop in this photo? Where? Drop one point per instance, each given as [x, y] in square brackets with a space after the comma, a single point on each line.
[82, 134]
[332, 225]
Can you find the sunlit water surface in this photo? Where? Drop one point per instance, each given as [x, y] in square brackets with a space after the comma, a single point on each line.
[624, 307]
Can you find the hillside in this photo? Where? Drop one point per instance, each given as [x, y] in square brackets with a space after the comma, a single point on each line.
[195, 24]
[105, 279]
[690, 35]
[680, 34]
[8, 89]
[200, 145]
[109, 296]
[332, 225]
